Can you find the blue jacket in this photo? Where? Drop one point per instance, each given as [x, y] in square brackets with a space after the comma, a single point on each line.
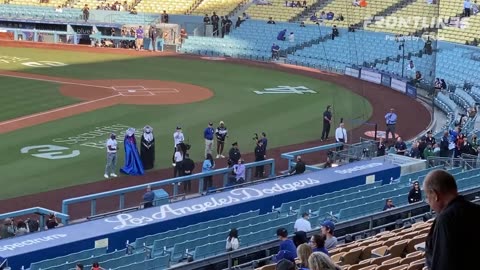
[208, 133]
[281, 34]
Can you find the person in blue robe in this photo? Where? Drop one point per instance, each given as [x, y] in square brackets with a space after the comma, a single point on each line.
[133, 163]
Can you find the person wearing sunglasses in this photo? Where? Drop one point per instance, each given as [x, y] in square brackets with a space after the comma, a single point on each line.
[415, 194]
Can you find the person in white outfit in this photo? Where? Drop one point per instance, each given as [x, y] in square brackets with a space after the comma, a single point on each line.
[178, 138]
[111, 156]
[341, 135]
[232, 240]
[302, 224]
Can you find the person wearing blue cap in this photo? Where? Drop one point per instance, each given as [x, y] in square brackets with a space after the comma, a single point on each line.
[328, 229]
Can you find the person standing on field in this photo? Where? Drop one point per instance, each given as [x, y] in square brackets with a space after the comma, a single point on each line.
[208, 134]
[327, 122]
[221, 133]
[111, 157]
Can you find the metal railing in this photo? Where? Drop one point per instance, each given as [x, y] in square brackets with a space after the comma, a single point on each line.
[42, 212]
[173, 182]
[290, 156]
[466, 162]
[365, 149]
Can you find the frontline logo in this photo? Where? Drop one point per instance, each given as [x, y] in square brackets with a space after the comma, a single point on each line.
[234, 196]
[32, 242]
[359, 168]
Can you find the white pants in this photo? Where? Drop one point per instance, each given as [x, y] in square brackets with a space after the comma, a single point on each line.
[208, 147]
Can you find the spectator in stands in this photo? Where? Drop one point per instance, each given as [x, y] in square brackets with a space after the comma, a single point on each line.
[428, 152]
[320, 261]
[472, 112]
[414, 151]
[164, 17]
[299, 167]
[400, 147]
[475, 145]
[317, 242]
[455, 226]
[222, 24]
[238, 22]
[302, 224]
[275, 51]
[234, 155]
[281, 35]
[475, 11]
[139, 38]
[328, 163]
[208, 165]
[363, 3]
[221, 134]
[148, 198]
[232, 240]
[285, 264]
[351, 28]
[330, 15]
[245, 16]
[239, 170]
[304, 251]
[133, 11]
[228, 25]
[52, 221]
[86, 12]
[215, 20]
[259, 156]
[388, 205]
[430, 139]
[467, 6]
[206, 19]
[328, 229]
[79, 266]
[302, 24]
[437, 87]
[8, 229]
[287, 247]
[22, 228]
[270, 21]
[444, 145]
[427, 48]
[340, 18]
[335, 32]
[291, 38]
[418, 77]
[381, 147]
[444, 85]
[33, 225]
[415, 194]
[59, 9]
[96, 266]
[356, 3]
[299, 237]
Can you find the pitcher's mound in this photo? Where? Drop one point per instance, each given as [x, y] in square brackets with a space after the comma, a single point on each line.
[137, 91]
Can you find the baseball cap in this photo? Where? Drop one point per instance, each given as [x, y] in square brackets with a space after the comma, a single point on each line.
[285, 265]
[329, 224]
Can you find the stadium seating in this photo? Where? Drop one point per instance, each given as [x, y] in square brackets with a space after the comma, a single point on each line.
[277, 10]
[221, 7]
[172, 7]
[50, 3]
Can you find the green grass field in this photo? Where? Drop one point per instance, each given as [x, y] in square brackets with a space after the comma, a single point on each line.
[286, 118]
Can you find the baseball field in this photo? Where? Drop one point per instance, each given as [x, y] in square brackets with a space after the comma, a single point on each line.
[60, 105]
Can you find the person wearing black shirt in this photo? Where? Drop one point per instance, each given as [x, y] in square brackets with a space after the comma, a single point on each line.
[270, 21]
[264, 142]
[238, 22]
[422, 145]
[215, 19]
[415, 194]
[222, 24]
[381, 148]
[388, 205]
[400, 147]
[335, 32]
[454, 232]
[234, 155]
[430, 139]
[299, 167]
[327, 121]
[187, 169]
[228, 25]
[259, 156]
[427, 48]
[206, 19]
[52, 221]
[164, 18]
[444, 143]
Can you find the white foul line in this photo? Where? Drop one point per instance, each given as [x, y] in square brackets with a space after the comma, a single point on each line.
[56, 110]
[53, 81]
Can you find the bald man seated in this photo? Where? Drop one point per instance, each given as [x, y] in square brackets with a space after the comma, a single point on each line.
[454, 238]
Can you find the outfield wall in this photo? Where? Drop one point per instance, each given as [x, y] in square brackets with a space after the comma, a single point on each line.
[116, 230]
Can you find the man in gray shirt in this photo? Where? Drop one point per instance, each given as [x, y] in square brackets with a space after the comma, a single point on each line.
[328, 228]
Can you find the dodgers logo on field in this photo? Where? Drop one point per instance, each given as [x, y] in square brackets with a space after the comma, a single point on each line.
[285, 89]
